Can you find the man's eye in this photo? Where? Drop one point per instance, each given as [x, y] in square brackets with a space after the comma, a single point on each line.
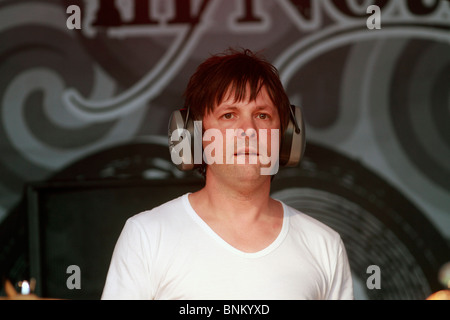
[228, 116]
[263, 116]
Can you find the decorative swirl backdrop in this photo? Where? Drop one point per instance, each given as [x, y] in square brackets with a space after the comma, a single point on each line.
[379, 99]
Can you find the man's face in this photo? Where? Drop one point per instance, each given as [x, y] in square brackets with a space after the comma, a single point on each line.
[250, 134]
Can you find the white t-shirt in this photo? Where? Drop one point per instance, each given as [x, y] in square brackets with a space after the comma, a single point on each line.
[169, 252]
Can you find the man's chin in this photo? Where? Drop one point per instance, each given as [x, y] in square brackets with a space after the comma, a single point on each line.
[246, 159]
[245, 172]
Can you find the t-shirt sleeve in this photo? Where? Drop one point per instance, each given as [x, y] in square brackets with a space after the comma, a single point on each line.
[341, 287]
[129, 271]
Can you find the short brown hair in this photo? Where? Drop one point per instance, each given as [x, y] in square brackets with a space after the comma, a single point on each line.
[234, 69]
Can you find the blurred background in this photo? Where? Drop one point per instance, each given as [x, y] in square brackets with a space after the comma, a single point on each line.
[84, 114]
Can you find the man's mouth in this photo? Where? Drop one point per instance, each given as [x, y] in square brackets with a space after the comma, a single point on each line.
[246, 152]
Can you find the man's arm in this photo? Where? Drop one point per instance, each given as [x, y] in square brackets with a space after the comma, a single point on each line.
[341, 287]
[129, 272]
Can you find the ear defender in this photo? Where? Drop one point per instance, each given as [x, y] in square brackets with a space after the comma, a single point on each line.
[294, 139]
[292, 146]
[181, 122]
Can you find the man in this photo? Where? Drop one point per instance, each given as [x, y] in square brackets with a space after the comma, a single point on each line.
[231, 240]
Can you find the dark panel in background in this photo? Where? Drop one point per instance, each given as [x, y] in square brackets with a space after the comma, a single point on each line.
[78, 223]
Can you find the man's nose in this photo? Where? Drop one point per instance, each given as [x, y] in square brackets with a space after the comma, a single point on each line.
[247, 129]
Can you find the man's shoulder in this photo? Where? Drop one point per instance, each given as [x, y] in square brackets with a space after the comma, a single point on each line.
[304, 223]
[167, 211]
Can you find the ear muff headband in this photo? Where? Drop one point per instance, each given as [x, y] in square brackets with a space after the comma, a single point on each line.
[292, 146]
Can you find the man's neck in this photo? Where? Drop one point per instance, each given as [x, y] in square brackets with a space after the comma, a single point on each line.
[236, 201]
[248, 219]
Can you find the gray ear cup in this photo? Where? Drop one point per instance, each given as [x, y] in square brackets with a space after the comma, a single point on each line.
[294, 139]
[181, 127]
